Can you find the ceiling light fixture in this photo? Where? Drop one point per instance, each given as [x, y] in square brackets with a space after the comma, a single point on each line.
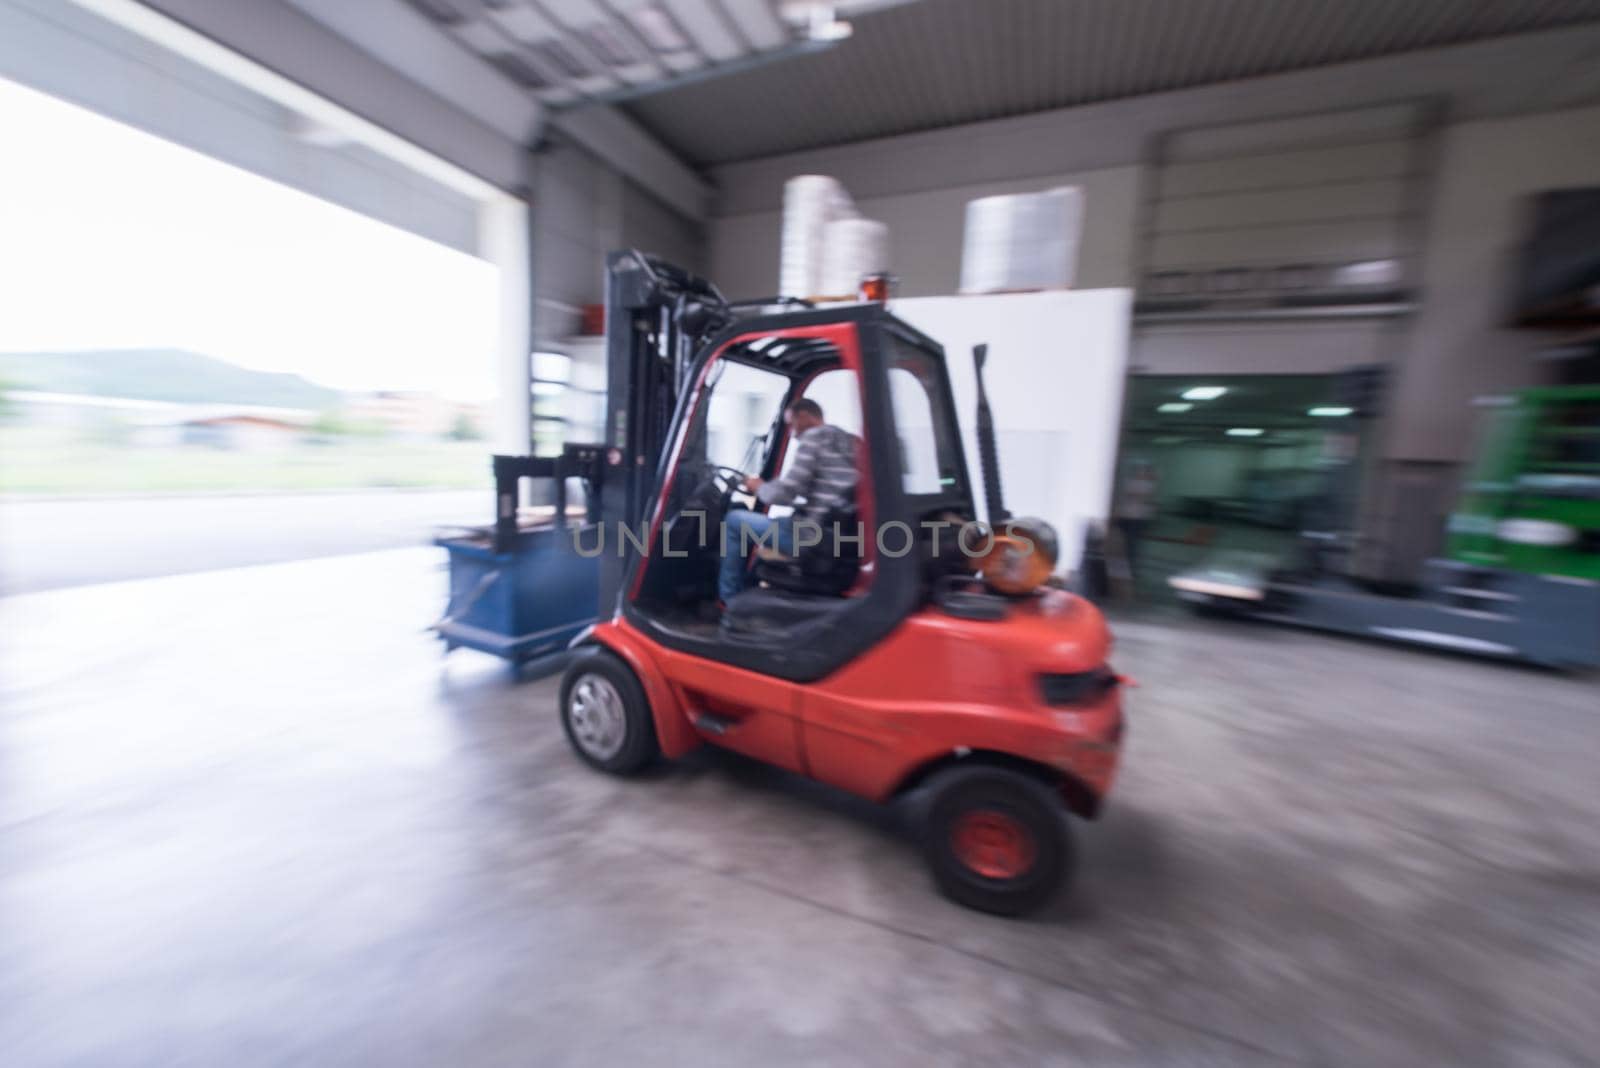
[1174, 406]
[1330, 412]
[1245, 432]
[1204, 393]
[817, 19]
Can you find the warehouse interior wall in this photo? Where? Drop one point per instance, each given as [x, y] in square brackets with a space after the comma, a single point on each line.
[1268, 348]
[652, 226]
[582, 209]
[1108, 146]
[1430, 164]
[1313, 192]
[1458, 346]
[1334, 187]
[925, 234]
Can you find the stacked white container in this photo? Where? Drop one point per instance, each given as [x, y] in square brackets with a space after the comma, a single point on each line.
[1022, 241]
[852, 249]
[810, 203]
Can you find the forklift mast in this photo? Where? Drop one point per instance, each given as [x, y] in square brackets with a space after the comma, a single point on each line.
[657, 318]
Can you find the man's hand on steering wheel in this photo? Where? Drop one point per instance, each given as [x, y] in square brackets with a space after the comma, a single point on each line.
[751, 483]
[726, 479]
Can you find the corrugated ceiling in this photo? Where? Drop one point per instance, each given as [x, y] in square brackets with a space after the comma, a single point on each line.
[940, 62]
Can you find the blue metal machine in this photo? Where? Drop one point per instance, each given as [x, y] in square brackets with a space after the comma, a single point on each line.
[520, 605]
[523, 591]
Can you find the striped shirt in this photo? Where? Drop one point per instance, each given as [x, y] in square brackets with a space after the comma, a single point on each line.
[824, 474]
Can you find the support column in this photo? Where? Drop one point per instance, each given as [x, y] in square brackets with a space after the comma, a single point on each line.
[504, 238]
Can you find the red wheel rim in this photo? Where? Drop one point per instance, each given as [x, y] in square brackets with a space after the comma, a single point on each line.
[993, 844]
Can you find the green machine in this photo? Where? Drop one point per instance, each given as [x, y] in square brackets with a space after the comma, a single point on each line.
[1533, 502]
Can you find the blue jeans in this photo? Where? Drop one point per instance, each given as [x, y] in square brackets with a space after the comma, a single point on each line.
[740, 531]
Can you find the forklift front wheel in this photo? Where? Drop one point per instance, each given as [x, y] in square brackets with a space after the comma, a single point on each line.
[606, 715]
[996, 840]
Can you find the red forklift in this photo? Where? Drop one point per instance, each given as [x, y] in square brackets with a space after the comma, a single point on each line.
[910, 650]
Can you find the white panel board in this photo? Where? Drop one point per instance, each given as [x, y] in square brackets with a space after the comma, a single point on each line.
[1055, 378]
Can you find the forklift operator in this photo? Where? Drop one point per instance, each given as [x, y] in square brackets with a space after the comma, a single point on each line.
[821, 482]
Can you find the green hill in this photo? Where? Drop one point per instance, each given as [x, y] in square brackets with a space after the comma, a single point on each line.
[161, 375]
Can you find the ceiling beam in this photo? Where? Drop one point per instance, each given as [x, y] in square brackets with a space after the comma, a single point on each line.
[417, 48]
[623, 144]
[284, 54]
[403, 39]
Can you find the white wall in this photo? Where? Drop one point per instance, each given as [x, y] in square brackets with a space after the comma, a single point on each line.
[1055, 378]
[925, 230]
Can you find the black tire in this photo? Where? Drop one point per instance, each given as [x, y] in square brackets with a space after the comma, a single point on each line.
[606, 715]
[996, 840]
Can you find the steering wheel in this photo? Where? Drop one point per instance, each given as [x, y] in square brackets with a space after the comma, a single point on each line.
[713, 490]
[727, 480]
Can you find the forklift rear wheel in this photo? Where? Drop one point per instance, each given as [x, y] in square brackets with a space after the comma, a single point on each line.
[606, 715]
[996, 840]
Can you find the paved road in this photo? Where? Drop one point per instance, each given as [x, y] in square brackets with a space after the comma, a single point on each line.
[50, 544]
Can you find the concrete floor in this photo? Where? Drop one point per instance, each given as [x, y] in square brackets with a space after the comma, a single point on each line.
[249, 817]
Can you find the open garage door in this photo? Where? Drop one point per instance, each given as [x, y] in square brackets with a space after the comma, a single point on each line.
[243, 116]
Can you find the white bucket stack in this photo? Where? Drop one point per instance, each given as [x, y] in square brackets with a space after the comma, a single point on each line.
[852, 249]
[1022, 241]
[827, 247]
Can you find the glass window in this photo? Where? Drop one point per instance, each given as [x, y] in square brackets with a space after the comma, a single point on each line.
[551, 372]
[838, 392]
[745, 402]
[930, 445]
[569, 399]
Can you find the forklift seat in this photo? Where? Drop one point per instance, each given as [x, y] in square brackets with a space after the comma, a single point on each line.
[817, 570]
